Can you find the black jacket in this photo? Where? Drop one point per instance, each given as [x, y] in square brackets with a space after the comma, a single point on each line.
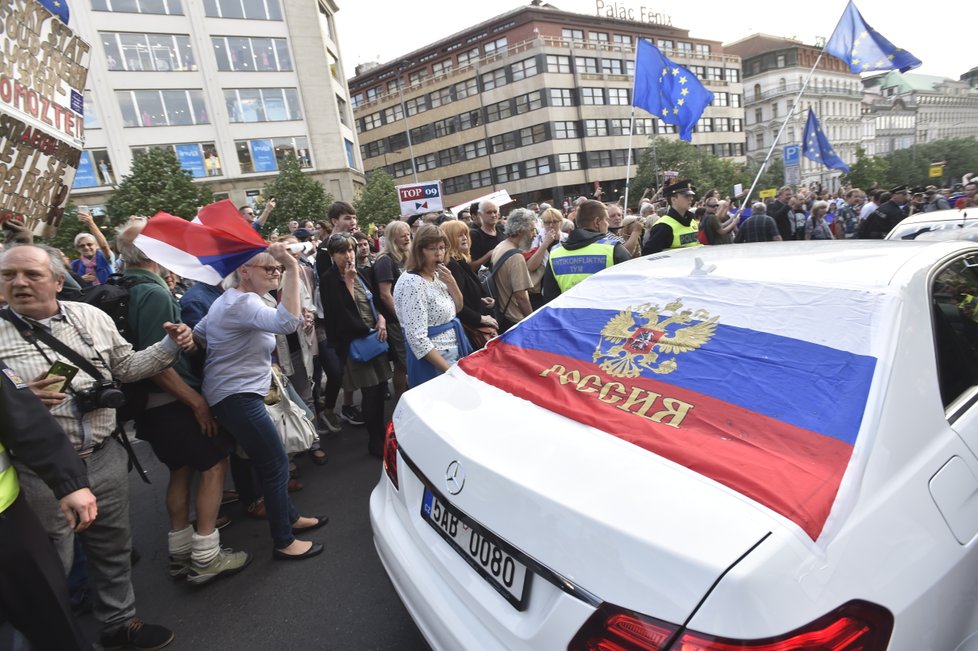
[343, 322]
[578, 239]
[471, 288]
[661, 235]
[33, 436]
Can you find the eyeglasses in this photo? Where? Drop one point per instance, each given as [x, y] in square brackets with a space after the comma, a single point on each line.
[250, 213]
[271, 270]
[712, 205]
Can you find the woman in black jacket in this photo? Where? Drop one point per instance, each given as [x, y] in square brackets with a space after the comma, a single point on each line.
[350, 314]
[479, 326]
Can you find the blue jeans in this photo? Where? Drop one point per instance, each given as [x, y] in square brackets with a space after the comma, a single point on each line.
[244, 414]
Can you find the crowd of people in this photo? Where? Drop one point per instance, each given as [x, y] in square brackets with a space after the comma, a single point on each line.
[327, 309]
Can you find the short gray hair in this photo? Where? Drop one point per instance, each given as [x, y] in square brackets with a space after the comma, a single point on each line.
[82, 236]
[131, 254]
[56, 260]
[520, 221]
[823, 205]
[759, 208]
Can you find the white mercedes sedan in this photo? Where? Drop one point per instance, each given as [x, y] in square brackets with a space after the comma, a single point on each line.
[761, 447]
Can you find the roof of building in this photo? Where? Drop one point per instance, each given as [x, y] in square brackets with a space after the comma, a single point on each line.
[759, 43]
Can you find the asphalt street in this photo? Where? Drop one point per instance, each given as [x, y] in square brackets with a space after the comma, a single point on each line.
[339, 600]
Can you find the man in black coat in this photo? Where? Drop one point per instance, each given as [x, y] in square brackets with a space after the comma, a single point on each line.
[780, 211]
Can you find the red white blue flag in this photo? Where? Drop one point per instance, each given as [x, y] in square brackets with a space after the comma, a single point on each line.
[683, 370]
[207, 249]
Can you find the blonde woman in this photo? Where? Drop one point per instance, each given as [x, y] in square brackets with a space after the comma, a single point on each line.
[387, 268]
[479, 327]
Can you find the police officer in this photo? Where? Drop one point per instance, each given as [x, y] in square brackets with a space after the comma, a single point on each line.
[587, 250]
[675, 229]
[33, 593]
[890, 213]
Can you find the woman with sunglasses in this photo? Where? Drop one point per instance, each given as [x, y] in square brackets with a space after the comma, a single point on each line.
[239, 335]
[351, 313]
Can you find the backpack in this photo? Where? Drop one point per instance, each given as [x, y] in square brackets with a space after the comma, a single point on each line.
[489, 284]
[112, 297]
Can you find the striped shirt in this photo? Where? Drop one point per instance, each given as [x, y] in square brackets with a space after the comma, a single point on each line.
[108, 352]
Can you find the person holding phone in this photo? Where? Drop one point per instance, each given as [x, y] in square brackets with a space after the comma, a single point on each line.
[95, 258]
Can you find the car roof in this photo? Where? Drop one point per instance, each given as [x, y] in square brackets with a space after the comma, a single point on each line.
[924, 222]
[866, 264]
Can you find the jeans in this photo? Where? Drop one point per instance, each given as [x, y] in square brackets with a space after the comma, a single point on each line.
[333, 369]
[244, 414]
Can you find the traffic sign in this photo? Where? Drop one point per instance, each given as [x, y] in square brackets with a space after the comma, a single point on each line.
[792, 155]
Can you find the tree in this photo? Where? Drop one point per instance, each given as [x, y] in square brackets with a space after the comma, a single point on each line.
[378, 202]
[866, 171]
[157, 182]
[911, 165]
[297, 196]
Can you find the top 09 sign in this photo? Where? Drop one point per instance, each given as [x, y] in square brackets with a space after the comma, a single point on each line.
[420, 197]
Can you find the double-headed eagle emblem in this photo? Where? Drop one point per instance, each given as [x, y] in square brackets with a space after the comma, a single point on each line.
[635, 339]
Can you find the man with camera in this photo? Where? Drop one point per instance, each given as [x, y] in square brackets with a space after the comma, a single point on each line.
[39, 334]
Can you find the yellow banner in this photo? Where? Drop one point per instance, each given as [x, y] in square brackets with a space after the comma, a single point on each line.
[769, 193]
[936, 171]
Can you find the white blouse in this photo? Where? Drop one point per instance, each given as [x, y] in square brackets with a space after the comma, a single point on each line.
[420, 304]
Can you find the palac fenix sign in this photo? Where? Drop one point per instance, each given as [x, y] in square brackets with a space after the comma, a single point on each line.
[623, 12]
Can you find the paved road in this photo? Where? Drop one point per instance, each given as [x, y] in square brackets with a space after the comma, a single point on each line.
[340, 600]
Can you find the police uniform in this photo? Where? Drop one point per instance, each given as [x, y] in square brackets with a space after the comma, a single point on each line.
[33, 592]
[674, 230]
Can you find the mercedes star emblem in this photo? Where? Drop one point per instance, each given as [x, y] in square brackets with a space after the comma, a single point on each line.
[454, 478]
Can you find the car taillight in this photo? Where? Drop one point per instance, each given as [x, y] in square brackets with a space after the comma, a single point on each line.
[854, 626]
[390, 454]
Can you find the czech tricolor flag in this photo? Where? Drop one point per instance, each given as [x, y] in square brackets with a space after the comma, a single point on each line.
[208, 249]
[762, 388]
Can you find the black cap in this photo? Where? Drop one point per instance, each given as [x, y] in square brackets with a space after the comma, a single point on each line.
[413, 218]
[302, 234]
[679, 187]
[898, 189]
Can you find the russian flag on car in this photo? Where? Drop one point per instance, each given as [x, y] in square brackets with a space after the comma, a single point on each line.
[207, 249]
[761, 388]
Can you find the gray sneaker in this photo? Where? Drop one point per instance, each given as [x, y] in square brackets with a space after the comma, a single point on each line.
[226, 563]
[330, 421]
[179, 566]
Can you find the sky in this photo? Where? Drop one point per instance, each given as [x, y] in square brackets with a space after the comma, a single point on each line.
[384, 30]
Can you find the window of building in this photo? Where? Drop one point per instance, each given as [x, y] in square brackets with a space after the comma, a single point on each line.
[622, 39]
[422, 133]
[531, 135]
[94, 170]
[629, 66]
[402, 168]
[506, 173]
[475, 149]
[416, 105]
[612, 67]
[425, 162]
[685, 48]
[594, 128]
[565, 130]
[250, 9]
[721, 99]
[264, 104]
[721, 124]
[618, 96]
[591, 96]
[469, 119]
[245, 54]
[600, 37]
[663, 128]
[732, 75]
[759, 141]
[392, 114]
[440, 97]
[493, 79]
[758, 115]
[392, 86]
[780, 61]
[91, 114]
[371, 149]
[357, 100]
[714, 74]
[619, 127]
[523, 69]
[372, 121]
[665, 44]
[774, 109]
[445, 127]
[537, 167]
[480, 179]
[529, 102]
[645, 126]
[572, 34]
[496, 47]
[448, 156]
[417, 76]
[586, 65]
[736, 124]
[467, 88]
[558, 63]
[568, 162]
[704, 125]
[159, 108]
[735, 100]
[600, 158]
[198, 158]
[619, 157]
[170, 7]
[701, 49]
[441, 68]
[699, 71]
[466, 58]
[562, 97]
[147, 52]
[504, 142]
[499, 111]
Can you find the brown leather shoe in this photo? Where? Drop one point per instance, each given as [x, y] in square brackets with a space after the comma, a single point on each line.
[295, 485]
[256, 510]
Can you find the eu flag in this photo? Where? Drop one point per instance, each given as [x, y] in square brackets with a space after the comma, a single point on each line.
[57, 7]
[667, 90]
[817, 148]
[865, 49]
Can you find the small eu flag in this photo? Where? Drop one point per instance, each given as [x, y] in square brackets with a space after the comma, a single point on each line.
[667, 90]
[865, 49]
[57, 7]
[817, 148]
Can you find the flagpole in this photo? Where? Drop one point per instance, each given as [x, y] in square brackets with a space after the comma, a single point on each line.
[628, 168]
[784, 125]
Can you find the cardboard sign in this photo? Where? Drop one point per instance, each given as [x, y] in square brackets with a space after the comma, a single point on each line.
[420, 197]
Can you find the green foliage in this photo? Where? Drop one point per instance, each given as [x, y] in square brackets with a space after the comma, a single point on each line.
[866, 170]
[707, 171]
[298, 197]
[157, 182]
[911, 165]
[378, 202]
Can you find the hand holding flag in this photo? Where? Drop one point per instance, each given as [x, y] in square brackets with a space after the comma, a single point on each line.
[816, 146]
[865, 49]
[668, 90]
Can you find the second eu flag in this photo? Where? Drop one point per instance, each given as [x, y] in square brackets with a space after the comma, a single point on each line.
[817, 147]
[863, 48]
[668, 90]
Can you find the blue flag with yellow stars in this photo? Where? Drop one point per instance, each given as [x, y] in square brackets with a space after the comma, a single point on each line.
[667, 90]
[865, 49]
[57, 7]
[817, 148]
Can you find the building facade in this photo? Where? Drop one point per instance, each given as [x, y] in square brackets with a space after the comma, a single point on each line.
[230, 86]
[774, 71]
[535, 101]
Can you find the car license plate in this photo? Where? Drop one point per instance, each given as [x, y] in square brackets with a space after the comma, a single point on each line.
[479, 547]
